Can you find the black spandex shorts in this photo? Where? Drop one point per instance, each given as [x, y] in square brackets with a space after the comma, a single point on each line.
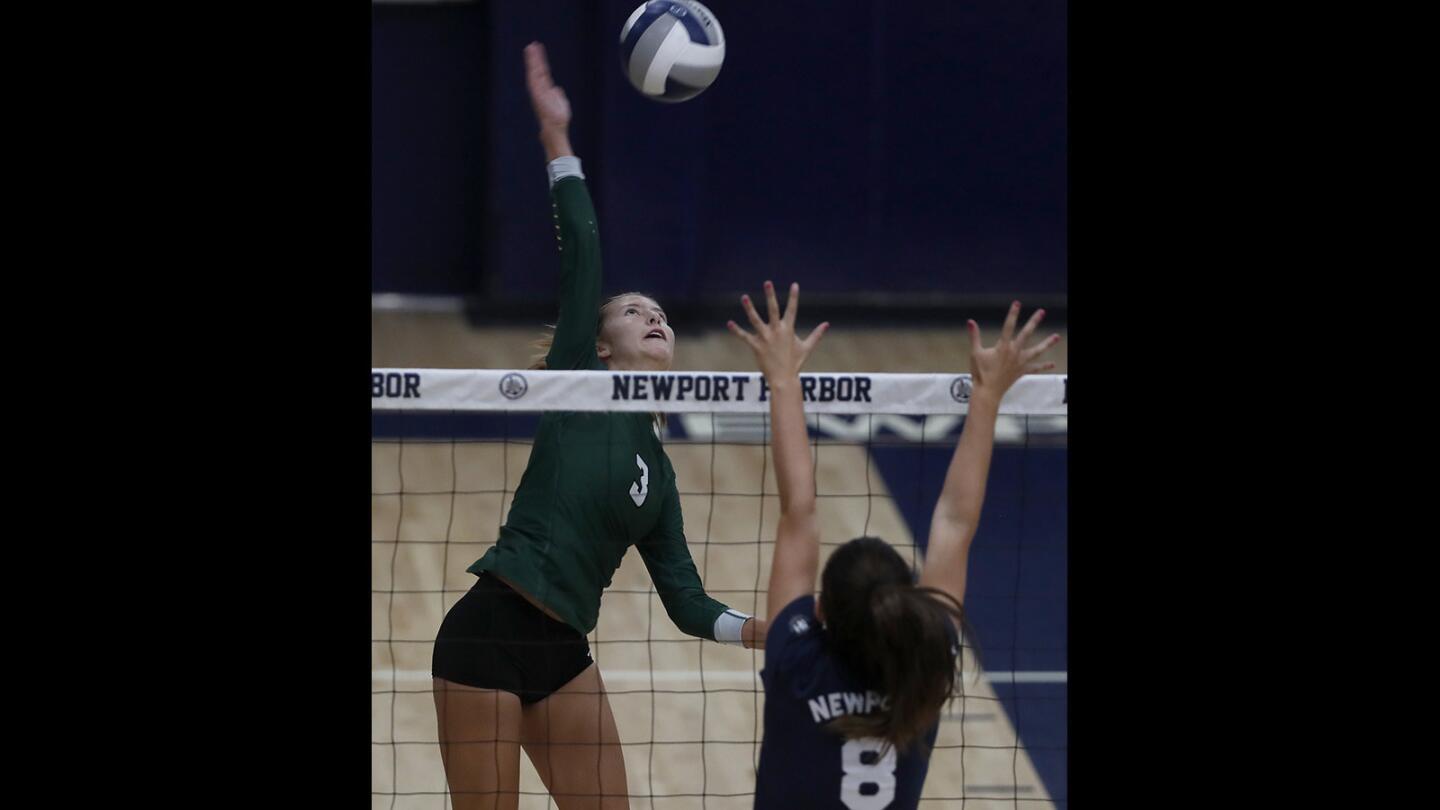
[493, 638]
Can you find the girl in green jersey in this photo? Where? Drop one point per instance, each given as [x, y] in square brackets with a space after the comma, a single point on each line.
[511, 667]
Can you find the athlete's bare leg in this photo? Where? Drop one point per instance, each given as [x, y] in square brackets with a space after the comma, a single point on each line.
[479, 744]
[573, 743]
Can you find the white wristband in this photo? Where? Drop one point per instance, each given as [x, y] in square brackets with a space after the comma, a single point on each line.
[568, 166]
[728, 625]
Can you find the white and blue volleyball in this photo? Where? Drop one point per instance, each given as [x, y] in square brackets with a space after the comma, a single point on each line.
[672, 49]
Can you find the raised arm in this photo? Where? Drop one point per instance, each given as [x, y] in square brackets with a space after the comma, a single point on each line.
[957, 512]
[552, 108]
[780, 353]
[574, 343]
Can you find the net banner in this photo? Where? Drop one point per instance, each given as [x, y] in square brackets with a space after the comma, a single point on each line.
[411, 389]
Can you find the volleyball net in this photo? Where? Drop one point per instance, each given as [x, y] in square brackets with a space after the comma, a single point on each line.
[449, 447]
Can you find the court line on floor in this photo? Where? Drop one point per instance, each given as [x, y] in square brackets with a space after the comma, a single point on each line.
[724, 676]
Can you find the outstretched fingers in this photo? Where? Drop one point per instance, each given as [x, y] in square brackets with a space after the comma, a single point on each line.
[1039, 348]
[749, 339]
[750, 312]
[772, 305]
[792, 304]
[1007, 332]
[975, 342]
[1030, 325]
[814, 337]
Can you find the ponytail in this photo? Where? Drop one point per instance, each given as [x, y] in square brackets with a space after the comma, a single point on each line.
[542, 344]
[909, 650]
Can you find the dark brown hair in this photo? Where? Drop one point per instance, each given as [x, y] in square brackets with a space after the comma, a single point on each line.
[896, 637]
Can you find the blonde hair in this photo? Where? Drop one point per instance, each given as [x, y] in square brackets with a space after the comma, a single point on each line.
[543, 344]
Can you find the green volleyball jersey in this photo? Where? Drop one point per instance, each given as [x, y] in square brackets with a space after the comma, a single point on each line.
[596, 483]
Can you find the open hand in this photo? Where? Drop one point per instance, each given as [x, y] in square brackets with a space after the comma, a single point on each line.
[997, 368]
[778, 350]
[552, 108]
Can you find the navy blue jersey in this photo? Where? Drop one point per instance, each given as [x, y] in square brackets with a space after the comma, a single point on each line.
[802, 764]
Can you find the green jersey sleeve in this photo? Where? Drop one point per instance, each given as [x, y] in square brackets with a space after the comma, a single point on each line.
[574, 345]
[672, 569]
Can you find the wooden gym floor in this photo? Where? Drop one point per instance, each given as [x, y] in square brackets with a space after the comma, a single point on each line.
[706, 736]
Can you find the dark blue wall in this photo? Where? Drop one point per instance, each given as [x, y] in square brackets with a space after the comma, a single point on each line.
[857, 146]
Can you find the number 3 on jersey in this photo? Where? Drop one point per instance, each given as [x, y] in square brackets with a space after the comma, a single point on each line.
[639, 490]
[863, 767]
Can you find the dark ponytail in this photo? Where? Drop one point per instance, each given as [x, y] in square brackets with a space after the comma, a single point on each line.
[898, 638]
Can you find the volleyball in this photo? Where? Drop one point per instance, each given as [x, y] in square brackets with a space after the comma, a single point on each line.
[671, 50]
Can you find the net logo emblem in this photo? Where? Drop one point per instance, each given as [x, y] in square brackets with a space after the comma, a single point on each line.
[395, 385]
[513, 386]
[960, 389]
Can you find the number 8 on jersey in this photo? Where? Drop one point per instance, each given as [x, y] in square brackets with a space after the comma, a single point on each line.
[864, 766]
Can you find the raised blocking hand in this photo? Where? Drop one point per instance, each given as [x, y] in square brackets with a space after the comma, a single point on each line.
[778, 350]
[996, 368]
